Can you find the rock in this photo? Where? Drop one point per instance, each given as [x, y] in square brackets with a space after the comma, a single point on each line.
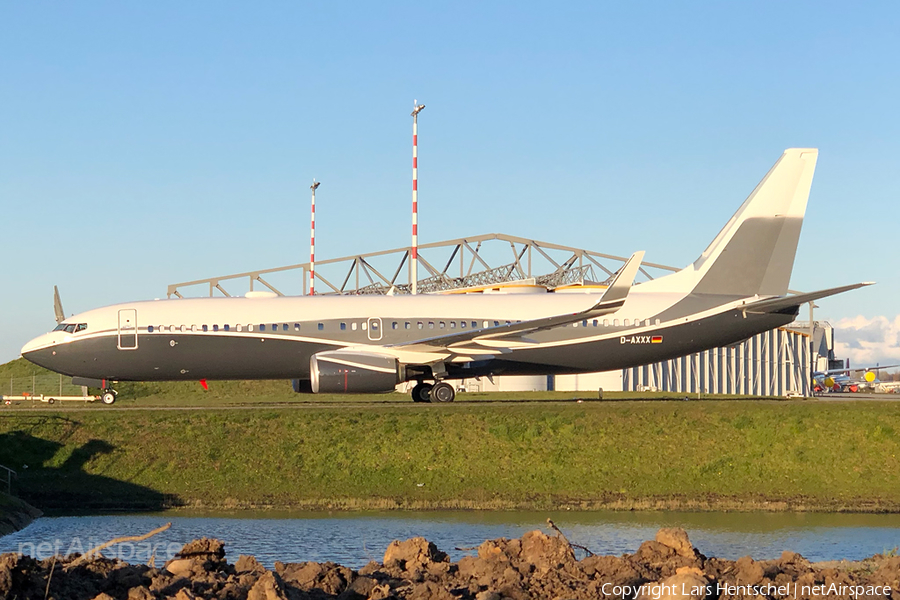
[248, 564]
[267, 587]
[545, 552]
[206, 547]
[430, 591]
[677, 539]
[180, 567]
[184, 594]
[140, 593]
[747, 571]
[414, 553]
[103, 596]
[303, 575]
[359, 589]
[687, 584]
[486, 595]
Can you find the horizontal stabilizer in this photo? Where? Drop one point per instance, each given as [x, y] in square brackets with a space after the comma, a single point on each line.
[774, 305]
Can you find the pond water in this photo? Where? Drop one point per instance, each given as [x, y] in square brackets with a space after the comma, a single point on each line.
[353, 539]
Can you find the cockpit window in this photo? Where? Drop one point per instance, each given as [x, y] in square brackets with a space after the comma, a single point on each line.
[80, 327]
[70, 328]
[61, 327]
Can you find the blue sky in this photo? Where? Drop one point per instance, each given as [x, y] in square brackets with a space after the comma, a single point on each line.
[147, 143]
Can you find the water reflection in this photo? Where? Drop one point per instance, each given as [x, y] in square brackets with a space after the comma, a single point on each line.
[353, 539]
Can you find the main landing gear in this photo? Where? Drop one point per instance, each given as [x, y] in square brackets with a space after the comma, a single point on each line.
[439, 392]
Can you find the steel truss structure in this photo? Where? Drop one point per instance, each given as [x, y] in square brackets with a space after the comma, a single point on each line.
[477, 261]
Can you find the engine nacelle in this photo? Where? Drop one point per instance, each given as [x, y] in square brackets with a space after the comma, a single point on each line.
[353, 372]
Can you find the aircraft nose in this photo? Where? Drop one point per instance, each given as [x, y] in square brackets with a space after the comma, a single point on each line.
[38, 343]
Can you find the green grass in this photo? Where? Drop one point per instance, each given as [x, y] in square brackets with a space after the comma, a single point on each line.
[715, 454]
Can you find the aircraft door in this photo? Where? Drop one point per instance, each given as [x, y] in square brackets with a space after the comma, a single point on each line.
[374, 328]
[128, 339]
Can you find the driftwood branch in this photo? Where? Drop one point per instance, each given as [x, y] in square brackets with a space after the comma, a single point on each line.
[128, 538]
[566, 540]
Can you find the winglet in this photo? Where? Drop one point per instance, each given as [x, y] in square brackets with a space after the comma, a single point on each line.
[57, 306]
[624, 279]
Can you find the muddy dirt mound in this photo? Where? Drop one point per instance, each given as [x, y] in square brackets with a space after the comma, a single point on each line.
[535, 566]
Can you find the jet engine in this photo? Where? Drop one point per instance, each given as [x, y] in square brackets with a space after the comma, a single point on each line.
[353, 372]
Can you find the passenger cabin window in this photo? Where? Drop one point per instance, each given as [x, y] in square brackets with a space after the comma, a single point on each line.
[452, 324]
[249, 327]
[239, 327]
[321, 326]
[262, 327]
[353, 326]
[407, 325]
[615, 322]
[627, 322]
[394, 325]
[606, 322]
[227, 327]
[462, 324]
[284, 327]
[595, 322]
[430, 324]
[343, 326]
[193, 328]
[296, 326]
[442, 325]
[657, 321]
[421, 325]
[183, 328]
[205, 328]
[150, 329]
[215, 327]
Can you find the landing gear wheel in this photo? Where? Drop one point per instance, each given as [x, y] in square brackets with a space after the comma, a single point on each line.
[422, 392]
[443, 392]
[108, 397]
[51, 400]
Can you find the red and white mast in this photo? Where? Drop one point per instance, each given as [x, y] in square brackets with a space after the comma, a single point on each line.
[414, 253]
[312, 240]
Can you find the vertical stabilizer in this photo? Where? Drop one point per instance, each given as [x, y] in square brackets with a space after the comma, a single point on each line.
[754, 252]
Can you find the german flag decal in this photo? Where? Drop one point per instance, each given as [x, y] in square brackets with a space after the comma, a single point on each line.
[656, 339]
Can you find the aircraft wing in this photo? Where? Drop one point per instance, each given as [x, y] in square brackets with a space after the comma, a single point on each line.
[774, 305]
[503, 336]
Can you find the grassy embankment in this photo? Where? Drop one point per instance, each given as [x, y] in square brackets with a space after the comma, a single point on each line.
[15, 514]
[690, 455]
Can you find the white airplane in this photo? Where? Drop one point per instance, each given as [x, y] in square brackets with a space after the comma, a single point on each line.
[345, 344]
